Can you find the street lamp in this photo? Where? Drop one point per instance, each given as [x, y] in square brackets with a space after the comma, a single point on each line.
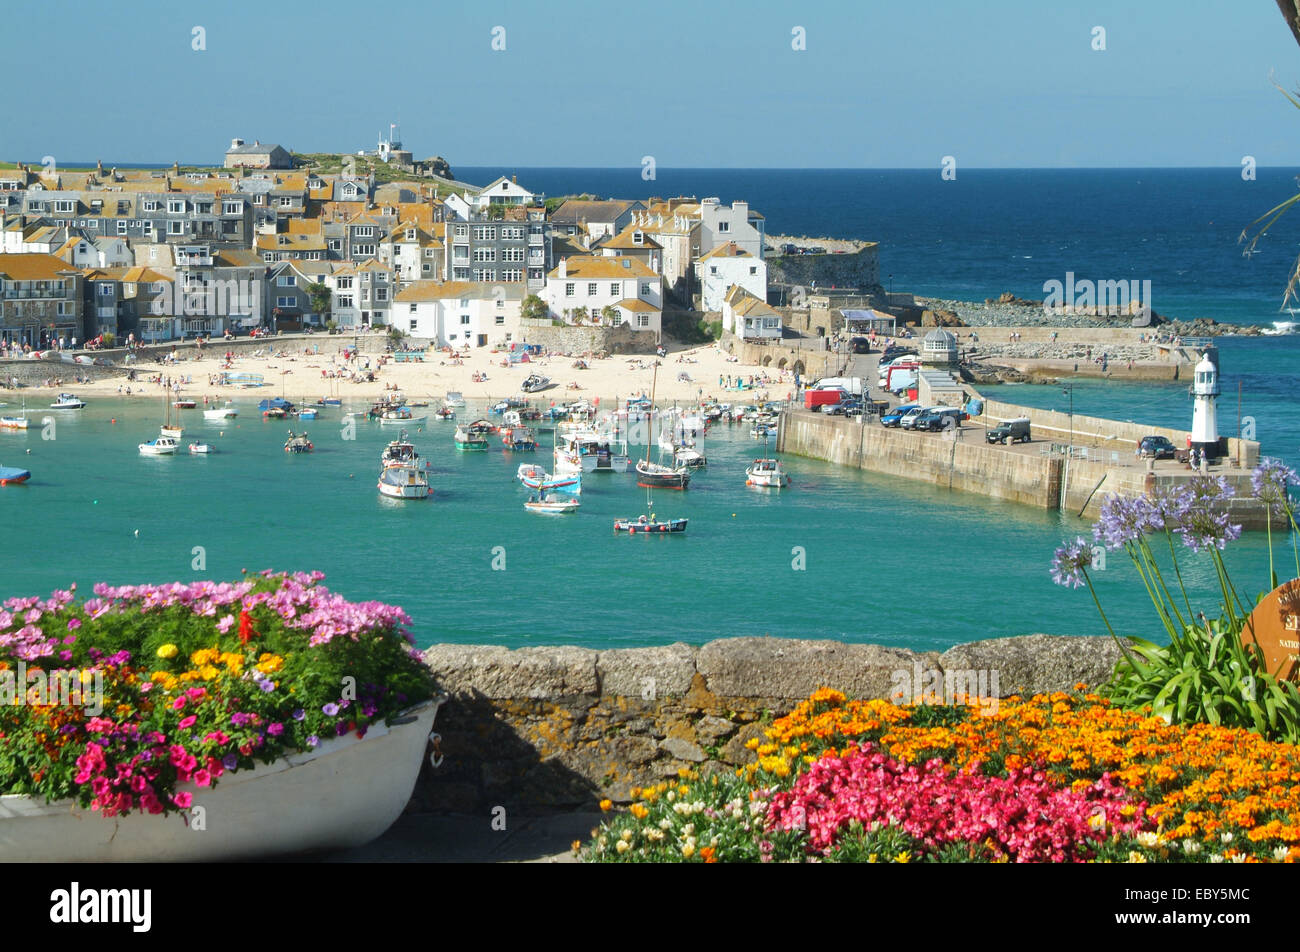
[1069, 392]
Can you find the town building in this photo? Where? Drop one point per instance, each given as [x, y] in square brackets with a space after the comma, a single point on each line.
[727, 266]
[40, 300]
[241, 155]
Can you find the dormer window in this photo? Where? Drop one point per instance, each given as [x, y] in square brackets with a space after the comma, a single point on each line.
[410, 234]
[176, 206]
[638, 238]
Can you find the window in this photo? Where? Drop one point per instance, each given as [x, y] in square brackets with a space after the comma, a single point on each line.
[430, 252]
[364, 231]
[485, 274]
[63, 205]
[148, 228]
[231, 208]
[511, 274]
[753, 270]
[336, 244]
[591, 289]
[367, 249]
[614, 289]
[286, 301]
[176, 228]
[345, 284]
[512, 254]
[724, 226]
[175, 206]
[414, 322]
[460, 252]
[381, 294]
[121, 227]
[462, 231]
[645, 288]
[713, 269]
[105, 290]
[485, 233]
[512, 232]
[426, 268]
[485, 254]
[501, 319]
[460, 274]
[287, 281]
[412, 308]
[643, 320]
[464, 319]
[345, 300]
[464, 302]
[62, 309]
[151, 205]
[410, 234]
[569, 289]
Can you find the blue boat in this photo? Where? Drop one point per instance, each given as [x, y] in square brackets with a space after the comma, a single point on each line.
[14, 475]
[275, 407]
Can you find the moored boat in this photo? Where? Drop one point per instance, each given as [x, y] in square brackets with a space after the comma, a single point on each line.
[647, 525]
[657, 476]
[13, 423]
[467, 438]
[298, 443]
[689, 456]
[453, 400]
[200, 449]
[535, 382]
[217, 414]
[518, 438]
[401, 452]
[68, 401]
[551, 506]
[162, 446]
[534, 477]
[766, 472]
[399, 416]
[404, 481]
[13, 475]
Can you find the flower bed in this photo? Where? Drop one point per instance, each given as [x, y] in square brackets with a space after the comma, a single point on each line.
[141, 688]
[1059, 778]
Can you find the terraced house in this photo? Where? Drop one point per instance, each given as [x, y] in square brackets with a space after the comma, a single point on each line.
[40, 300]
[500, 236]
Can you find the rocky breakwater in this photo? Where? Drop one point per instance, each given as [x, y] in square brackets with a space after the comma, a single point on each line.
[558, 728]
[1007, 310]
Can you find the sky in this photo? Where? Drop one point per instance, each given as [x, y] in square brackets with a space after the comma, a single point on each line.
[692, 83]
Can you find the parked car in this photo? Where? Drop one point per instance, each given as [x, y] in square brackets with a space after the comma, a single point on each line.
[1156, 447]
[895, 416]
[1009, 431]
[817, 250]
[860, 345]
[789, 249]
[892, 351]
[911, 416]
[936, 418]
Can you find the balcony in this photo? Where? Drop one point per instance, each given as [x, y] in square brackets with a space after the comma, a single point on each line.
[537, 240]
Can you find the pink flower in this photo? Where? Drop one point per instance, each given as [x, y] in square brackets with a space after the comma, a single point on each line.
[187, 721]
[202, 777]
[183, 799]
[178, 703]
[74, 624]
[223, 626]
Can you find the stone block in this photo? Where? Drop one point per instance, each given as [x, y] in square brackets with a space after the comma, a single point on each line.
[793, 669]
[647, 673]
[1037, 664]
[501, 673]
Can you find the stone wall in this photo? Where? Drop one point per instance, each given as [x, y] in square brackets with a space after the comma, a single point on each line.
[572, 339]
[563, 727]
[860, 269]
[35, 373]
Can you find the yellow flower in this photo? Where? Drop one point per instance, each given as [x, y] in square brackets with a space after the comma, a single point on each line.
[605, 805]
[168, 650]
[688, 851]
[576, 845]
[871, 858]
[208, 672]
[903, 857]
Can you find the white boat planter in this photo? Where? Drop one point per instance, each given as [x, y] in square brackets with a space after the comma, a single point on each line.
[343, 794]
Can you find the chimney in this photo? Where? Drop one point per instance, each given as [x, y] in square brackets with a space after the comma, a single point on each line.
[514, 179]
[236, 143]
[564, 268]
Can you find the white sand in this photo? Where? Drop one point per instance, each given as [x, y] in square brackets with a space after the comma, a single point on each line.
[610, 378]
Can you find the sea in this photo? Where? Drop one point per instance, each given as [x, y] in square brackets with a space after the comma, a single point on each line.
[840, 554]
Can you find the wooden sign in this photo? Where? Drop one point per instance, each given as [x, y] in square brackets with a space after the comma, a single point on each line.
[1275, 626]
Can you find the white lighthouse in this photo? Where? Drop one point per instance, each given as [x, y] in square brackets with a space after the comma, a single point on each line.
[1205, 428]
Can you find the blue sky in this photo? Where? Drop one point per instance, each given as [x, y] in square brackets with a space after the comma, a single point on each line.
[709, 83]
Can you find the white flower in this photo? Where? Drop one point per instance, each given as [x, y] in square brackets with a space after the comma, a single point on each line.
[672, 795]
[1279, 854]
[623, 846]
[1148, 839]
[1239, 857]
[1191, 846]
[1216, 857]
[665, 824]
[714, 842]
[625, 835]
[1226, 837]
[689, 829]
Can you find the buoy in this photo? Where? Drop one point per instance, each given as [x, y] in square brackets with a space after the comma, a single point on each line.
[137, 533]
[95, 503]
[114, 420]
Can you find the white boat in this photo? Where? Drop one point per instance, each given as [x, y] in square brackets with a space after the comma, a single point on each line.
[200, 449]
[13, 423]
[163, 446]
[550, 506]
[404, 481]
[453, 399]
[766, 472]
[535, 382]
[342, 794]
[399, 416]
[689, 456]
[68, 401]
[221, 413]
[175, 432]
[534, 477]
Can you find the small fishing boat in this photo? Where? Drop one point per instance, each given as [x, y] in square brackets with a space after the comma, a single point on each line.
[467, 438]
[649, 524]
[13, 422]
[298, 443]
[550, 505]
[453, 399]
[162, 446]
[200, 449]
[180, 404]
[518, 438]
[13, 475]
[218, 414]
[68, 401]
[689, 456]
[535, 382]
[534, 477]
[404, 481]
[657, 476]
[307, 413]
[276, 408]
[400, 452]
[445, 413]
[399, 416]
[766, 472]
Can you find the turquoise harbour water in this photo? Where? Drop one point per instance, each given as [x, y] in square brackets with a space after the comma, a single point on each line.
[885, 561]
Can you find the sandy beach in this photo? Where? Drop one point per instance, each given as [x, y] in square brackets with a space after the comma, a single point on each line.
[685, 376]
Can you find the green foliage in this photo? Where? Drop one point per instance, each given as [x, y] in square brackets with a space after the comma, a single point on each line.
[109, 338]
[321, 299]
[534, 308]
[1207, 676]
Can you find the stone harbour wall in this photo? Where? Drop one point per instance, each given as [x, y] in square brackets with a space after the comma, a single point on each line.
[561, 728]
[576, 339]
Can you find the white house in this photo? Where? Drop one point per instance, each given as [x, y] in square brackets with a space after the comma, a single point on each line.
[748, 317]
[580, 288]
[720, 224]
[726, 266]
[414, 253]
[456, 313]
[361, 295]
[503, 191]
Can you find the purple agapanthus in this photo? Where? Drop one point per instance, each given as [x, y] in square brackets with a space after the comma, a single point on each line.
[1126, 519]
[1269, 484]
[1204, 528]
[1071, 562]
